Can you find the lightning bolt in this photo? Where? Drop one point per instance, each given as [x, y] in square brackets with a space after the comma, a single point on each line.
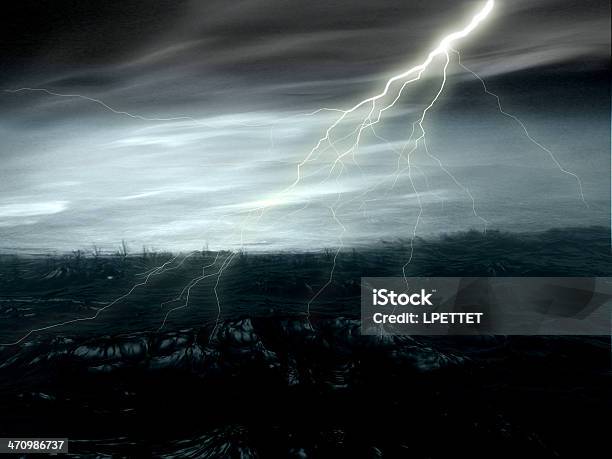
[524, 129]
[442, 48]
[140, 117]
[157, 271]
[187, 290]
[103, 105]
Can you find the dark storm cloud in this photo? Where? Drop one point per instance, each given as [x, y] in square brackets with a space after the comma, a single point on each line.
[256, 42]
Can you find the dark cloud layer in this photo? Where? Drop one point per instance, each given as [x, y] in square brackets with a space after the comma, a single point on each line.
[265, 54]
[283, 40]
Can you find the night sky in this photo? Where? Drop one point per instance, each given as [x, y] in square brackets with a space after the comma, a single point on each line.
[244, 72]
